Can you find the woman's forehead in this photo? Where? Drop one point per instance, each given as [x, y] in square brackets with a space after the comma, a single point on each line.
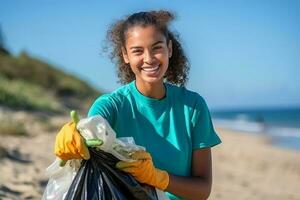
[139, 35]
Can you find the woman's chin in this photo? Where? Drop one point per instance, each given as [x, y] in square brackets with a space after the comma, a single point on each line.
[151, 80]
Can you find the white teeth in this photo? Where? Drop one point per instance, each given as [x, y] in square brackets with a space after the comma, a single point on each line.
[149, 69]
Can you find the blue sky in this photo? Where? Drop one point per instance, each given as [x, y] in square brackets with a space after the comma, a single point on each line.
[242, 53]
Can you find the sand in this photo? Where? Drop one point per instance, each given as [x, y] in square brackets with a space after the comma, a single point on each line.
[244, 167]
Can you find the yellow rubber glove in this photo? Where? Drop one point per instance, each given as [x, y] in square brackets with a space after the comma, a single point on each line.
[69, 144]
[144, 171]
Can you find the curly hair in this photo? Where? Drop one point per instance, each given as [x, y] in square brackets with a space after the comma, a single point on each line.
[177, 72]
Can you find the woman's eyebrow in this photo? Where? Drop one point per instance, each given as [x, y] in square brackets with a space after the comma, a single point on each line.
[135, 47]
[158, 42]
[139, 47]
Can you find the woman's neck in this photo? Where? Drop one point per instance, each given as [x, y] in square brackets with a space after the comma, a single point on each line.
[153, 90]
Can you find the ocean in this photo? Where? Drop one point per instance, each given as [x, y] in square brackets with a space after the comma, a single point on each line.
[281, 126]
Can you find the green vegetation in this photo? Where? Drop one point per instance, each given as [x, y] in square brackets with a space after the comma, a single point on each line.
[31, 84]
[20, 94]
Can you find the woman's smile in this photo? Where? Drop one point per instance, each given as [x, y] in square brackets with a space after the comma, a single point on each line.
[150, 70]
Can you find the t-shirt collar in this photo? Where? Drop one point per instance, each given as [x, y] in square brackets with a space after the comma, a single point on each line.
[147, 100]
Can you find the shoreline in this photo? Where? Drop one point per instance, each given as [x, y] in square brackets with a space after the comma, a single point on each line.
[284, 137]
[248, 166]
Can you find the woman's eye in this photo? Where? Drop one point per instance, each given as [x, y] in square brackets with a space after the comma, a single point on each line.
[157, 47]
[137, 51]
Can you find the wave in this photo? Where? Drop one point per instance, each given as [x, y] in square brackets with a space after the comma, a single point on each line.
[244, 125]
[284, 131]
[239, 125]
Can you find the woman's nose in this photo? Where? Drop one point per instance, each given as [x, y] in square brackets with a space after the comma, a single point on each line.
[148, 57]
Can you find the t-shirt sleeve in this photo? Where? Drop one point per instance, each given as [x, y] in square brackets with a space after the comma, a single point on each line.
[105, 106]
[203, 133]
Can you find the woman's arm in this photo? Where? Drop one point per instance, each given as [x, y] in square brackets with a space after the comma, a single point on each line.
[198, 186]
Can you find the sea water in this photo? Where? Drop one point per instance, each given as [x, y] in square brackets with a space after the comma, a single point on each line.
[281, 126]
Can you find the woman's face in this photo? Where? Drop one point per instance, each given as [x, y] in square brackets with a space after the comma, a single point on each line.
[147, 53]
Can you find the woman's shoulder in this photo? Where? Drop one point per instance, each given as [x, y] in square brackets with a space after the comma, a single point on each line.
[182, 92]
[109, 102]
[117, 95]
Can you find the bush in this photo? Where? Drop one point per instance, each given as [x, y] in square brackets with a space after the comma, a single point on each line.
[40, 73]
[20, 94]
[29, 83]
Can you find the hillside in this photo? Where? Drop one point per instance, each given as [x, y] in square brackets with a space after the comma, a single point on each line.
[32, 84]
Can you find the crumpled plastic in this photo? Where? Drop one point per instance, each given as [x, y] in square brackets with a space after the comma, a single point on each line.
[97, 178]
[97, 127]
[60, 179]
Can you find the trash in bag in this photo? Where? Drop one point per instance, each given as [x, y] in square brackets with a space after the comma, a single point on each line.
[97, 127]
[99, 179]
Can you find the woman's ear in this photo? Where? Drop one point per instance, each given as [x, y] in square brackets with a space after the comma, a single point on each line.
[125, 56]
[170, 49]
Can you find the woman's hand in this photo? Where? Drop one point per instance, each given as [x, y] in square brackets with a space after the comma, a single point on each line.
[69, 144]
[144, 171]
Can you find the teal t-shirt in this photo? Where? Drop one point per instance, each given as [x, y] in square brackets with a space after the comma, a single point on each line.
[169, 128]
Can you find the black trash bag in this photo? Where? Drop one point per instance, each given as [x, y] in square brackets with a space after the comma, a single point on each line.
[99, 179]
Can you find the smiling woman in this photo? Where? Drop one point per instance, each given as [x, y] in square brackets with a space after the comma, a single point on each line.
[170, 121]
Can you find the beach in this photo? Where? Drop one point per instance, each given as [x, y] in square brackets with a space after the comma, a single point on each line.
[245, 166]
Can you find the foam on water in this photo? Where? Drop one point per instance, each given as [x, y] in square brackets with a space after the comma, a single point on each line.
[287, 137]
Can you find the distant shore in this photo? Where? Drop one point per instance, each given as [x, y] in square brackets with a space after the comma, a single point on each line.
[247, 166]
